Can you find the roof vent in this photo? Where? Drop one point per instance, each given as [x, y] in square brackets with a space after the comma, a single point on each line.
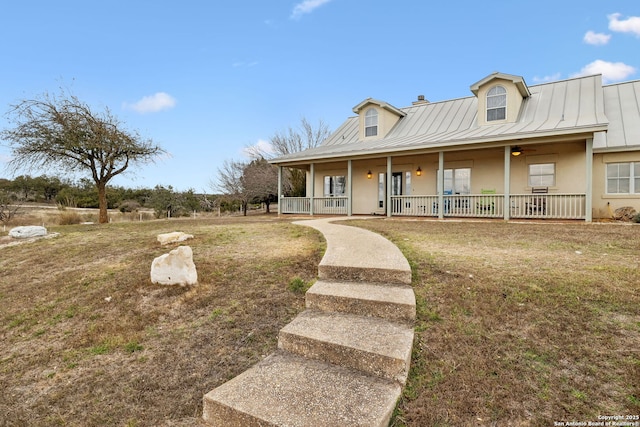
[421, 100]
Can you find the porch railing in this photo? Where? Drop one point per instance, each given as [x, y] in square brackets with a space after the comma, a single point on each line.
[556, 206]
[559, 206]
[330, 205]
[321, 205]
[295, 205]
[471, 205]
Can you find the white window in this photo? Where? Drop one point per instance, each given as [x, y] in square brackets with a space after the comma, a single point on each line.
[496, 103]
[371, 122]
[334, 186]
[623, 178]
[457, 181]
[542, 175]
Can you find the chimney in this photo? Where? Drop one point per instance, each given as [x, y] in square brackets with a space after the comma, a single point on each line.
[421, 100]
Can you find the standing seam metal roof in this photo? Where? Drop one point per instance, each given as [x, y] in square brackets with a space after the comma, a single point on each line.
[559, 108]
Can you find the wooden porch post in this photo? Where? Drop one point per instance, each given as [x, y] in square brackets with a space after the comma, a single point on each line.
[279, 190]
[588, 202]
[389, 186]
[507, 183]
[441, 185]
[312, 187]
[349, 187]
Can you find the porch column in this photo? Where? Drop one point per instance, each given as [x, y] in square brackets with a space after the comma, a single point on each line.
[588, 202]
[349, 187]
[507, 183]
[389, 186]
[312, 187]
[279, 190]
[441, 185]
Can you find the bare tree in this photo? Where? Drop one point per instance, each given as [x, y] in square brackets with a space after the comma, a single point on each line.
[64, 132]
[230, 182]
[260, 182]
[7, 210]
[289, 142]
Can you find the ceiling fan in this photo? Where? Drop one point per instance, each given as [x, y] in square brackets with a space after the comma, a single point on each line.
[516, 150]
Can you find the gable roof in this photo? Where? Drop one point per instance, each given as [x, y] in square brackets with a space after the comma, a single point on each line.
[516, 80]
[381, 104]
[563, 108]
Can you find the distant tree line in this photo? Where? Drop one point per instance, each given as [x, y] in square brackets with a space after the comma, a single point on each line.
[164, 201]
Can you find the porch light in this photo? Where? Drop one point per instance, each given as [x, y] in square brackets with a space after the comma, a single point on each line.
[369, 174]
[419, 171]
[516, 150]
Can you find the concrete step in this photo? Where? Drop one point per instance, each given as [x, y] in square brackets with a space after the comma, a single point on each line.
[393, 302]
[369, 344]
[289, 390]
[355, 254]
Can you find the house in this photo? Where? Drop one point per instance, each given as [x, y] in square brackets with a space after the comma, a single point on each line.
[567, 149]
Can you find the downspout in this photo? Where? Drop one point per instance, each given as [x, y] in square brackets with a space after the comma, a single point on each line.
[389, 186]
[588, 202]
[441, 185]
[312, 187]
[507, 183]
[279, 190]
[350, 187]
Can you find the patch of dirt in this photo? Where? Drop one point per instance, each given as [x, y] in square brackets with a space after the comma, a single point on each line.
[87, 340]
[10, 241]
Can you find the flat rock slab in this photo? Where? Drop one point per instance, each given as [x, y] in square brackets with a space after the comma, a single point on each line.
[27, 231]
[289, 390]
[173, 237]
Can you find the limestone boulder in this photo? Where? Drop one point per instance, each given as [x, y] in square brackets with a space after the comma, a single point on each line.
[625, 213]
[27, 231]
[173, 237]
[175, 268]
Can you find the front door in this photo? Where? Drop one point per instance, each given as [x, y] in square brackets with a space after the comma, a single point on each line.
[396, 190]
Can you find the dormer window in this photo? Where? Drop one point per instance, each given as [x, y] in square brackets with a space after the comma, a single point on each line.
[496, 103]
[371, 122]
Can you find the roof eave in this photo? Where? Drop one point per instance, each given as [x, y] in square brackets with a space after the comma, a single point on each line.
[460, 143]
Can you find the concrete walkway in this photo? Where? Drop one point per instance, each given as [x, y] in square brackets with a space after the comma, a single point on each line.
[344, 360]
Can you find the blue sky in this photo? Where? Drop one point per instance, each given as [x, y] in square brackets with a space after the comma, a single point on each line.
[206, 79]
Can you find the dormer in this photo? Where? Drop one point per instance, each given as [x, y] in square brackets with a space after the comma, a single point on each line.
[376, 118]
[500, 97]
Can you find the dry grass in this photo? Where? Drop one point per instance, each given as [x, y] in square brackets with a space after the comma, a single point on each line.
[147, 355]
[521, 324]
[518, 324]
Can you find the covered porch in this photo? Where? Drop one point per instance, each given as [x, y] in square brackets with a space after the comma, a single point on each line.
[549, 180]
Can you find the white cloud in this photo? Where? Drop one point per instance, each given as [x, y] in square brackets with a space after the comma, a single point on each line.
[611, 71]
[307, 6]
[260, 148]
[629, 25]
[152, 104]
[597, 39]
[546, 79]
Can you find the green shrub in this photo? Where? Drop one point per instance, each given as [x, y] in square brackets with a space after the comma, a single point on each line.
[132, 347]
[298, 285]
[636, 218]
